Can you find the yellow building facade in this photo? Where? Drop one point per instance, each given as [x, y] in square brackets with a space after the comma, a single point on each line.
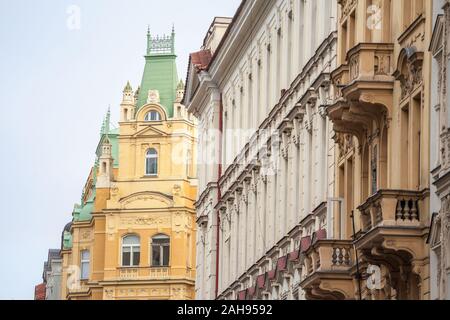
[133, 236]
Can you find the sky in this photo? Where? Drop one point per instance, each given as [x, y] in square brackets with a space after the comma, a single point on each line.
[62, 64]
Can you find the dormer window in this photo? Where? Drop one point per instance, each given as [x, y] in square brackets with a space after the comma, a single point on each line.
[153, 116]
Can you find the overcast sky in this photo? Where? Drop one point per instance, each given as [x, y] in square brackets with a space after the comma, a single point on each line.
[57, 79]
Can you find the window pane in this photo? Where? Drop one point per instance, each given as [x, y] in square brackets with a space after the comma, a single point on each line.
[85, 270]
[156, 255]
[166, 255]
[136, 258]
[152, 166]
[126, 261]
[153, 116]
[85, 255]
[131, 240]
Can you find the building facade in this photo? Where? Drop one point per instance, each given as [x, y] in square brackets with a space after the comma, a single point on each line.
[316, 178]
[381, 116]
[440, 154]
[133, 235]
[50, 288]
[266, 175]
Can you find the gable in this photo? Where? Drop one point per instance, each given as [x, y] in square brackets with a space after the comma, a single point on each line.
[146, 200]
[150, 131]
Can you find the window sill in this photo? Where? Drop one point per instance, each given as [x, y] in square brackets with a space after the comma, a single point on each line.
[150, 176]
[159, 267]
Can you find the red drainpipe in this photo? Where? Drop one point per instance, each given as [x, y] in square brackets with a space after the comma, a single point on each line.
[219, 195]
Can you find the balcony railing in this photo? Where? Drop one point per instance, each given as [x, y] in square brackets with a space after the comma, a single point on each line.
[327, 270]
[391, 207]
[144, 273]
[371, 61]
[328, 256]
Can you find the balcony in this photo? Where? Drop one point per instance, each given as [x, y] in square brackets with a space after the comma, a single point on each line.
[326, 270]
[394, 231]
[363, 88]
[394, 221]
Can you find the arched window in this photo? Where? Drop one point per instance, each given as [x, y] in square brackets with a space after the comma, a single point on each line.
[160, 250]
[85, 264]
[131, 251]
[151, 162]
[153, 116]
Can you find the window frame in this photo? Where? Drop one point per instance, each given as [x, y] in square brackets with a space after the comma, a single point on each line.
[149, 116]
[85, 265]
[161, 247]
[133, 250]
[149, 157]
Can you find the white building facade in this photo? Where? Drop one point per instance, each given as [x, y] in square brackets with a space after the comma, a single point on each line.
[439, 238]
[266, 151]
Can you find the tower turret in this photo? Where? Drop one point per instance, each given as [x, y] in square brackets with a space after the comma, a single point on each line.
[127, 107]
[160, 73]
[105, 160]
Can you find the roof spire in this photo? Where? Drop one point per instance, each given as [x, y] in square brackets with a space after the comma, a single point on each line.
[108, 119]
[106, 122]
[128, 87]
[173, 39]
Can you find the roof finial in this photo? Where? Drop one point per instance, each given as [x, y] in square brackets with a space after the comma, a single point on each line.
[173, 39]
[149, 40]
[106, 122]
[108, 119]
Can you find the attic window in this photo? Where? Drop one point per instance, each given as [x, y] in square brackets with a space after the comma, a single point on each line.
[153, 116]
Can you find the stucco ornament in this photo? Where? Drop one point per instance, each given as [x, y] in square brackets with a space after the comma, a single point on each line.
[153, 96]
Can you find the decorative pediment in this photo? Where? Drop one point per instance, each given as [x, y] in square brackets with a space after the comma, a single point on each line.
[150, 131]
[146, 200]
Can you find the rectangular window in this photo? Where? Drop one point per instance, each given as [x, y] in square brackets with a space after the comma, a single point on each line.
[152, 166]
[85, 264]
[160, 251]
[131, 256]
[126, 256]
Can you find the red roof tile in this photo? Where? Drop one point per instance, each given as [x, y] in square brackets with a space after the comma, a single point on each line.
[293, 256]
[271, 274]
[242, 294]
[251, 292]
[321, 234]
[261, 281]
[201, 59]
[282, 263]
[305, 244]
[39, 291]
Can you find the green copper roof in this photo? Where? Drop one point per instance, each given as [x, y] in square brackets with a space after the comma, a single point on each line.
[160, 72]
[67, 240]
[84, 211]
[113, 136]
